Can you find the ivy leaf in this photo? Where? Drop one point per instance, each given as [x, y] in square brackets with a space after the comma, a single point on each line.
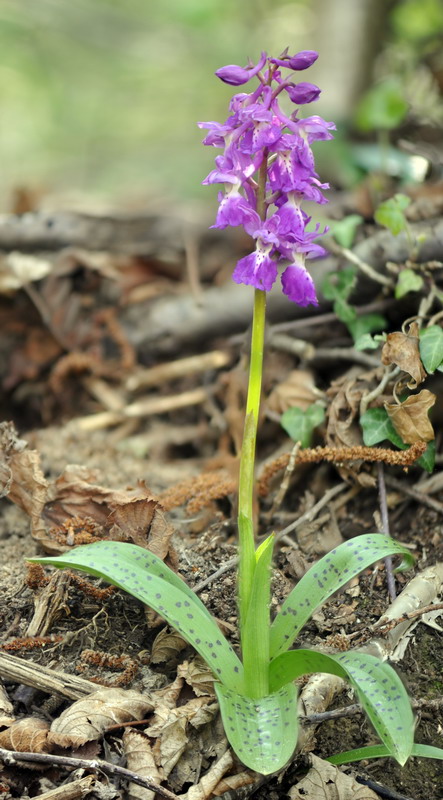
[431, 347]
[390, 213]
[382, 107]
[366, 323]
[427, 460]
[344, 311]
[377, 427]
[344, 230]
[339, 285]
[408, 281]
[299, 424]
[366, 342]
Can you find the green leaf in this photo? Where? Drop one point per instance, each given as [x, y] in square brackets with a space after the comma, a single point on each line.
[366, 342]
[344, 230]
[344, 311]
[408, 281]
[366, 323]
[431, 347]
[143, 575]
[324, 578]
[377, 427]
[382, 107]
[390, 213]
[262, 732]
[427, 460]
[255, 632]
[339, 284]
[381, 751]
[300, 425]
[379, 689]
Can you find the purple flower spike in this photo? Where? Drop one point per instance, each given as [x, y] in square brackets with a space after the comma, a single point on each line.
[298, 285]
[267, 202]
[302, 93]
[301, 60]
[236, 76]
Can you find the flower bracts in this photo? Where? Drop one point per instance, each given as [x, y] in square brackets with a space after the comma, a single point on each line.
[268, 152]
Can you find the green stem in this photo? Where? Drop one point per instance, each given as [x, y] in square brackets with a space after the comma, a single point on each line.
[247, 565]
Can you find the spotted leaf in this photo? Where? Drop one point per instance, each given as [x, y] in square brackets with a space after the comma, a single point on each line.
[263, 733]
[328, 575]
[379, 690]
[147, 578]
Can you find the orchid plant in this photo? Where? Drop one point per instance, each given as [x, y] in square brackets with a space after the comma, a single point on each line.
[266, 170]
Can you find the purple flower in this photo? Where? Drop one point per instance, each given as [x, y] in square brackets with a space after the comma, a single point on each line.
[235, 75]
[302, 93]
[298, 285]
[257, 269]
[301, 60]
[234, 210]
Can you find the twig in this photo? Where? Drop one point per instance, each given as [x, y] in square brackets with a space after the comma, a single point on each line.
[385, 529]
[368, 398]
[142, 408]
[345, 354]
[352, 710]
[47, 680]
[420, 497]
[349, 255]
[74, 790]
[12, 757]
[309, 515]
[215, 359]
[382, 791]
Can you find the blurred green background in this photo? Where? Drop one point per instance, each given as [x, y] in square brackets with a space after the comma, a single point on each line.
[100, 98]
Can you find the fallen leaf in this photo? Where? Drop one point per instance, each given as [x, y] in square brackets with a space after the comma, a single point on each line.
[167, 646]
[198, 676]
[326, 782]
[18, 269]
[29, 735]
[87, 719]
[21, 476]
[402, 349]
[297, 390]
[6, 709]
[140, 759]
[410, 418]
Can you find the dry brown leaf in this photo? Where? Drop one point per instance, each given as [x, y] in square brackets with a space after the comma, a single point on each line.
[144, 523]
[21, 476]
[29, 735]
[18, 269]
[171, 744]
[140, 759]
[198, 676]
[166, 647]
[403, 350]
[297, 390]
[326, 782]
[410, 418]
[342, 426]
[88, 718]
[6, 709]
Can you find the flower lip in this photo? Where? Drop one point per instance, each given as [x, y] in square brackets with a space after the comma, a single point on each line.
[236, 76]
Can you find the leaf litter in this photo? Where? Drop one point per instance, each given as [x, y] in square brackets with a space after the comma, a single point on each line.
[78, 483]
